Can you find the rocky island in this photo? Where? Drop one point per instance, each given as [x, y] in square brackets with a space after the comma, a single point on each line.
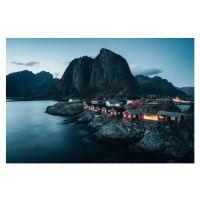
[172, 141]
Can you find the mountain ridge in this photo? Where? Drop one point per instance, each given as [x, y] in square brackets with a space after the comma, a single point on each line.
[189, 90]
[158, 86]
[26, 83]
[107, 75]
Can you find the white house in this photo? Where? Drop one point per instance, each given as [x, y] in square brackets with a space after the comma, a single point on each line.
[112, 102]
[131, 99]
[94, 101]
[74, 100]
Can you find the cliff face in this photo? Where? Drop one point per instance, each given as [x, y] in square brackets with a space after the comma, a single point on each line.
[109, 68]
[157, 86]
[26, 83]
[107, 75]
[76, 78]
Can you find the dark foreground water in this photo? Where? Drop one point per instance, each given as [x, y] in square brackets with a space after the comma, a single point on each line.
[33, 136]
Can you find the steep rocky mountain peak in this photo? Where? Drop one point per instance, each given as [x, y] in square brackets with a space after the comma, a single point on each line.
[106, 75]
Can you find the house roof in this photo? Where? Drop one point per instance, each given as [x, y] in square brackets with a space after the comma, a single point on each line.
[113, 101]
[135, 111]
[141, 100]
[101, 105]
[133, 97]
[75, 99]
[108, 107]
[166, 113]
[122, 101]
[119, 109]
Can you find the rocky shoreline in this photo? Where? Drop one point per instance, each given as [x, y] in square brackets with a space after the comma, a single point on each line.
[64, 110]
[173, 141]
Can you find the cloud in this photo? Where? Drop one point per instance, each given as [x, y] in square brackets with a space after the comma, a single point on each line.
[25, 64]
[139, 70]
[57, 75]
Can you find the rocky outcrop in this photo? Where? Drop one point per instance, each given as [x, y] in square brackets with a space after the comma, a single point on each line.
[173, 141]
[86, 118]
[111, 130]
[26, 83]
[158, 86]
[74, 109]
[107, 75]
[65, 110]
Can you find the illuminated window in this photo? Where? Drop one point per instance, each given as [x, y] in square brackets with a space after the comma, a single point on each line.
[172, 118]
[150, 117]
[129, 116]
[134, 116]
[124, 115]
[118, 113]
[161, 117]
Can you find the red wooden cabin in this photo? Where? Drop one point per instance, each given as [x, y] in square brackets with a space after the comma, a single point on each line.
[99, 107]
[172, 117]
[106, 110]
[117, 111]
[132, 114]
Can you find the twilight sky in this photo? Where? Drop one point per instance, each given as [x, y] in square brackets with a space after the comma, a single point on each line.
[172, 59]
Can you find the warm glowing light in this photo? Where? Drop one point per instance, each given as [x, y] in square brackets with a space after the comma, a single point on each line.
[180, 101]
[151, 117]
[161, 117]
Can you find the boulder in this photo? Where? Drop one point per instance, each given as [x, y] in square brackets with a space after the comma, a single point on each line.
[151, 142]
[86, 118]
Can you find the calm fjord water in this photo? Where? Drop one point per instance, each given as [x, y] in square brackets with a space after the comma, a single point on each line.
[33, 136]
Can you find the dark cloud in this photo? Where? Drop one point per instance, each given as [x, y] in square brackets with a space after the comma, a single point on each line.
[17, 63]
[25, 64]
[139, 70]
[31, 63]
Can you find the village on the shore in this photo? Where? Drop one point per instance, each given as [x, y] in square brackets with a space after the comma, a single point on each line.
[147, 125]
[137, 108]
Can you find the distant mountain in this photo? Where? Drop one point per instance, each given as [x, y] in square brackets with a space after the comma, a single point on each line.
[107, 75]
[157, 86]
[188, 90]
[26, 83]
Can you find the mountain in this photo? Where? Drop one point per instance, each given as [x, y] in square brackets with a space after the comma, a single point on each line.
[107, 75]
[157, 86]
[75, 79]
[26, 83]
[188, 90]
